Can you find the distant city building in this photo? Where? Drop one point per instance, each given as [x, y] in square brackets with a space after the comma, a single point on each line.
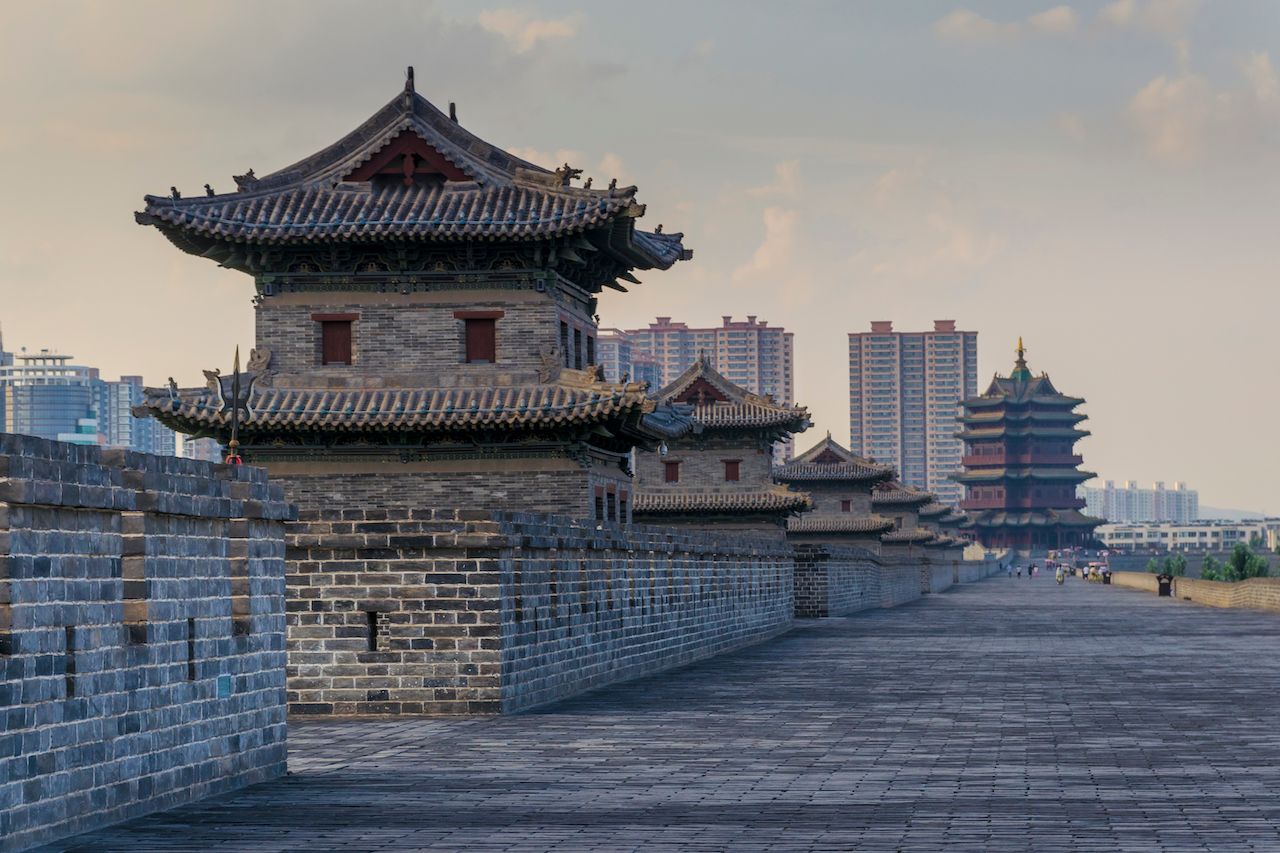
[1020, 466]
[122, 429]
[750, 353]
[1130, 503]
[905, 390]
[1190, 536]
[205, 449]
[618, 356]
[46, 395]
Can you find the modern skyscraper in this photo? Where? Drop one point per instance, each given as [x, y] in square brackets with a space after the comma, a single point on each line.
[749, 353]
[905, 390]
[1129, 503]
[47, 396]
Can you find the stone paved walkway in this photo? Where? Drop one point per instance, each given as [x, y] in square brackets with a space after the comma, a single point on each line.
[1006, 715]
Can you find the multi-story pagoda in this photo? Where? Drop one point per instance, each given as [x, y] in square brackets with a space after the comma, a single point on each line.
[425, 322]
[840, 485]
[719, 475]
[1020, 467]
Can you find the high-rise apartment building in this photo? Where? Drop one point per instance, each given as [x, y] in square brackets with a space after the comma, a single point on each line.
[122, 429]
[905, 390]
[206, 449]
[618, 355]
[750, 353]
[1129, 503]
[45, 395]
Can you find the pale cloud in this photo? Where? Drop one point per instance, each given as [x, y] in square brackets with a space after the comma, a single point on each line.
[776, 249]
[1261, 74]
[1173, 116]
[1119, 14]
[1058, 20]
[1183, 118]
[964, 25]
[1168, 18]
[786, 181]
[916, 231]
[523, 31]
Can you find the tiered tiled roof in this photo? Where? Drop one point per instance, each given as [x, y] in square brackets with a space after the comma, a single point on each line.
[575, 399]
[839, 524]
[762, 500]
[720, 404]
[827, 460]
[896, 494]
[475, 191]
[917, 536]
[989, 475]
[1031, 518]
[933, 510]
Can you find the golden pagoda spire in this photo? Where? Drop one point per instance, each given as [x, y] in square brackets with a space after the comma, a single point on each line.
[1020, 370]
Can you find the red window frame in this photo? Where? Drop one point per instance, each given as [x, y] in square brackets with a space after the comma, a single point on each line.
[670, 472]
[732, 470]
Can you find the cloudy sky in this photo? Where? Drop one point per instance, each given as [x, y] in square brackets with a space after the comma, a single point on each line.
[1100, 178]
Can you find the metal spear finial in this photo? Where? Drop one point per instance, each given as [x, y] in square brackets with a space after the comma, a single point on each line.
[233, 454]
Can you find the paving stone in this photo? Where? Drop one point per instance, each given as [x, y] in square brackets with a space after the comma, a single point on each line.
[1011, 714]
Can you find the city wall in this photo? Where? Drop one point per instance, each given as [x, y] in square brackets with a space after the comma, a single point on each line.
[1253, 594]
[1135, 580]
[835, 580]
[419, 611]
[141, 635]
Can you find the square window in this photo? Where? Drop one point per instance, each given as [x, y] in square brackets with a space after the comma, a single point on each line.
[671, 472]
[846, 506]
[732, 470]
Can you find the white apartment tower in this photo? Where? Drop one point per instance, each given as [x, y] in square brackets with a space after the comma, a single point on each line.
[905, 390]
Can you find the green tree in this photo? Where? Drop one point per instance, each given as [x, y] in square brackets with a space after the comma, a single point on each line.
[1211, 568]
[1244, 564]
[1175, 565]
[1153, 566]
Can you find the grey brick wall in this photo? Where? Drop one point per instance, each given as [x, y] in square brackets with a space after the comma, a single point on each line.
[835, 580]
[141, 635]
[601, 606]
[562, 492]
[414, 340]
[491, 613]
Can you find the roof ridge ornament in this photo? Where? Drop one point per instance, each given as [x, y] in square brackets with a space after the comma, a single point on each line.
[408, 89]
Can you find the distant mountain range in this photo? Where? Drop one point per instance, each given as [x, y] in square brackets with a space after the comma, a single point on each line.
[1219, 513]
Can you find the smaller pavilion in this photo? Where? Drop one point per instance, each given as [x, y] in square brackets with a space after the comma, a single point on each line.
[719, 476]
[840, 485]
[901, 504]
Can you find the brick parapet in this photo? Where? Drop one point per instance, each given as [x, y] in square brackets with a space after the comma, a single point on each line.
[125, 686]
[407, 611]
